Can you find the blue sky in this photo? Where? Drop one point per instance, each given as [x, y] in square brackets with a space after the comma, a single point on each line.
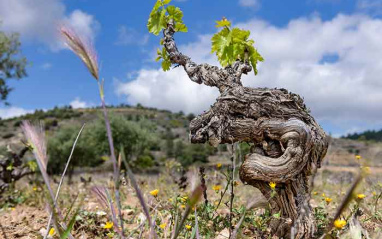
[300, 41]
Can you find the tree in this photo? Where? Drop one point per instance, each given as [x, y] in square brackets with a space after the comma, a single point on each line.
[137, 138]
[12, 64]
[287, 143]
[60, 146]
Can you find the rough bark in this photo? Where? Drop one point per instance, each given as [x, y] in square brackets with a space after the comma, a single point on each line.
[287, 141]
[8, 175]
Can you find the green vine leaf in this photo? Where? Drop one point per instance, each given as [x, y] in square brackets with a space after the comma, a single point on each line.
[175, 13]
[160, 16]
[180, 27]
[230, 45]
[223, 23]
[157, 21]
[166, 62]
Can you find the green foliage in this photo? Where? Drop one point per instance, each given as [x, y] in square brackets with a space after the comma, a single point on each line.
[371, 135]
[60, 145]
[137, 139]
[166, 62]
[188, 154]
[12, 64]
[233, 44]
[160, 16]
[229, 44]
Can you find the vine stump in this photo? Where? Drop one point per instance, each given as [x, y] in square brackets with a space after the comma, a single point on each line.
[287, 143]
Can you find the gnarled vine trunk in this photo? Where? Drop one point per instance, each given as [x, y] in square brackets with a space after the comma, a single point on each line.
[287, 141]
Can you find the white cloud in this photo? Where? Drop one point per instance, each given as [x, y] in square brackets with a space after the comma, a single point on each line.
[37, 20]
[128, 36]
[250, 3]
[170, 90]
[347, 90]
[83, 23]
[77, 103]
[46, 66]
[10, 112]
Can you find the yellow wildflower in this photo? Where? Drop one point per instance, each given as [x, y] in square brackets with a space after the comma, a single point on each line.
[188, 227]
[163, 225]
[154, 192]
[34, 188]
[51, 231]
[235, 183]
[339, 223]
[315, 193]
[328, 200]
[183, 206]
[374, 193]
[358, 157]
[184, 199]
[216, 187]
[361, 196]
[323, 195]
[12, 208]
[108, 225]
[272, 185]
[218, 166]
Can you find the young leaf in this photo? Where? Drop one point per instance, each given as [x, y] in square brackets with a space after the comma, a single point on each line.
[175, 13]
[157, 21]
[223, 23]
[180, 27]
[166, 65]
[221, 44]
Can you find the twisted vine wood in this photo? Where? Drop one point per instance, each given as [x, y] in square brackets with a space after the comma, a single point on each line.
[288, 144]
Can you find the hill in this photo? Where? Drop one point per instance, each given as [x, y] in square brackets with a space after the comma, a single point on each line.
[370, 135]
[172, 129]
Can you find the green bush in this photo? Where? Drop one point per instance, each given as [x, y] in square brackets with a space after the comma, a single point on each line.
[137, 138]
[60, 145]
[188, 154]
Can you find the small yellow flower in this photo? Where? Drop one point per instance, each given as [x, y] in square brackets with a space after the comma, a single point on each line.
[216, 187]
[170, 199]
[182, 206]
[358, 157]
[163, 225]
[323, 195]
[154, 192]
[216, 203]
[361, 196]
[12, 208]
[188, 227]
[51, 231]
[34, 188]
[315, 193]
[108, 225]
[272, 185]
[218, 166]
[339, 223]
[328, 200]
[374, 193]
[235, 183]
[184, 199]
